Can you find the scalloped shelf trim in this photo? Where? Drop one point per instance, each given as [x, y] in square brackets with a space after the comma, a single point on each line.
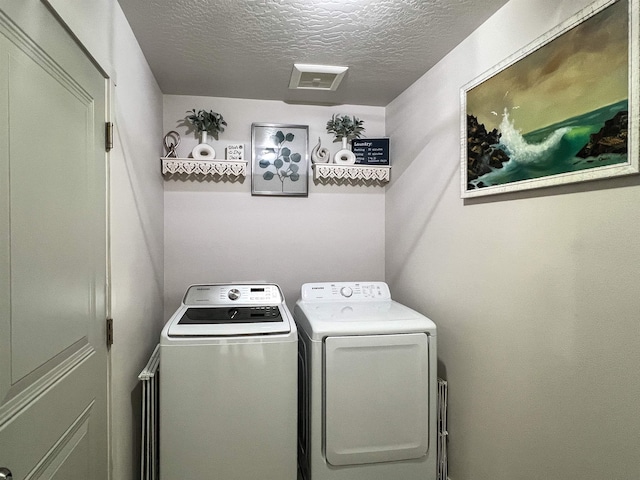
[351, 172]
[189, 166]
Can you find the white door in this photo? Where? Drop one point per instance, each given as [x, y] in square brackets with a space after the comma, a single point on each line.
[53, 356]
[376, 398]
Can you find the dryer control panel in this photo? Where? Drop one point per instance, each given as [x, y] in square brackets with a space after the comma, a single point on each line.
[233, 293]
[339, 291]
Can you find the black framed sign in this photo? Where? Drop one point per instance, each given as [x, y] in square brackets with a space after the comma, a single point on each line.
[371, 151]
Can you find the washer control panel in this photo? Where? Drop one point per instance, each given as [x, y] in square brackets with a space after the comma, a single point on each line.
[338, 291]
[234, 293]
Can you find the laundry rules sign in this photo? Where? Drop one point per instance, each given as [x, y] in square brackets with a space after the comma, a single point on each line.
[371, 151]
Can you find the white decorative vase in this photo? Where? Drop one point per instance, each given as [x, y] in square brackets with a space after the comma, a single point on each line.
[203, 151]
[320, 154]
[345, 156]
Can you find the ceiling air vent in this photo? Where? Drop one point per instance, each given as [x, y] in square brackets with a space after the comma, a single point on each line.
[316, 77]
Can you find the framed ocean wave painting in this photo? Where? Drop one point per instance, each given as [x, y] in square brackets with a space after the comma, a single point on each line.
[563, 109]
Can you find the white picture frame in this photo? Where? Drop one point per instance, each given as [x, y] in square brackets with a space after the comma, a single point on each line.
[497, 94]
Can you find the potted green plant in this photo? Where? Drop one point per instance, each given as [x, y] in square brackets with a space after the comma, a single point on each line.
[205, 122]
[345, 128]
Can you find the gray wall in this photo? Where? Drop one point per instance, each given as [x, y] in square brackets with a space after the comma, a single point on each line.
[137, 241]
[218, 232]
[535, 294]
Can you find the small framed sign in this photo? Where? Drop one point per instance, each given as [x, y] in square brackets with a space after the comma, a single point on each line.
[235, 151]
[371, 151]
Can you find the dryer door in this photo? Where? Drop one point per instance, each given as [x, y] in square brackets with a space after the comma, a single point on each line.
[376, 405]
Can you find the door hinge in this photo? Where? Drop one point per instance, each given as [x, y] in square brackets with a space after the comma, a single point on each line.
[108, 136]
[109, 332]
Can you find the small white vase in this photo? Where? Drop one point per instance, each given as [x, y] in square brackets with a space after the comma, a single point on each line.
[345, 156]
[320, 154]
[203, 151]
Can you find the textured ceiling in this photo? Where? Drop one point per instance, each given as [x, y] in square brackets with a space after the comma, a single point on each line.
[247, 48]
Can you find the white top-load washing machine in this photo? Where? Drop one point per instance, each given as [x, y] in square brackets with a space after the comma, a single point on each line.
[367, 398]
[228, 378]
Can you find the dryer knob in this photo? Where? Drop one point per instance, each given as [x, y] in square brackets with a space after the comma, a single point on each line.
[346, 291]
[234, 294]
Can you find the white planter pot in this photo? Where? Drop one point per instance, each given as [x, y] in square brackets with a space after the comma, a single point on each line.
[203, 151]
[344, 156]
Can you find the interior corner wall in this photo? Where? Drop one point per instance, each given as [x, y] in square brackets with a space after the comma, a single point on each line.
[136, 213]
[216, 231]
[137, 240]
[535, 294]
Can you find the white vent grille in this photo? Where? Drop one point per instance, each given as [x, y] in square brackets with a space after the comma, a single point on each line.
[316, 77]
[149, 452]
[442, 430]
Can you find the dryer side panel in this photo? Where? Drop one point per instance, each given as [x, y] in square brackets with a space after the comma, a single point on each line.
[376, 405]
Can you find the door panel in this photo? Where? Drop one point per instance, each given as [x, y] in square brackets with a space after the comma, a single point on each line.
[51, 255]
[53, 358]
[376, 398]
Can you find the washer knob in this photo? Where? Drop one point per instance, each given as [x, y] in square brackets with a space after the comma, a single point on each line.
[346, 291]
[234, 294]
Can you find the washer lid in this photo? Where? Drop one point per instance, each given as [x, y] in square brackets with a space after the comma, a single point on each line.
[228, 321]
[223, 315]
[230, 309]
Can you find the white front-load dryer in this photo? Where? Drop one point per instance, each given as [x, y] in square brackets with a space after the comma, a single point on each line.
[367, 394]
[228, 382]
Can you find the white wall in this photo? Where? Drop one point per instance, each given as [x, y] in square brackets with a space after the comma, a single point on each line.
[137, 241]
[136, 213]
[218, 232]
[535, 294]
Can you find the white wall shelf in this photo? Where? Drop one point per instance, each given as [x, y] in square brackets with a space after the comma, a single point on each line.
[230, 169]
[331, 172]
